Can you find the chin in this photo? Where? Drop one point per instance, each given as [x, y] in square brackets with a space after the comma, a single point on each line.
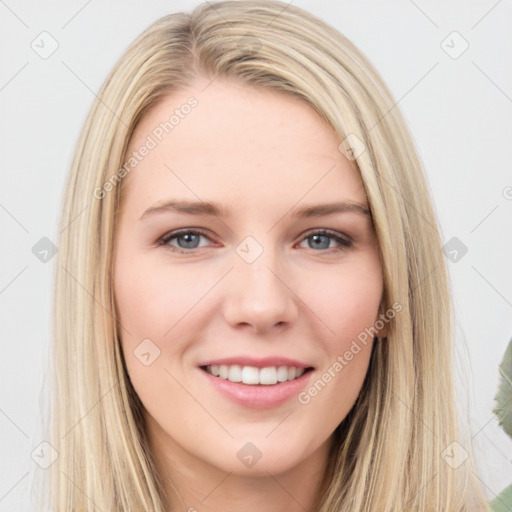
[260, 457]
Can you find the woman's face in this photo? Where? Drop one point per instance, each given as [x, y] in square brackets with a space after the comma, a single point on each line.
[243, 243]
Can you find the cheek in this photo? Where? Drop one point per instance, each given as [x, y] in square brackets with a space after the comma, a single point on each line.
[151, 300]
[336, 388]
[153, 306]
[165, 305]
[149, 305]
[346, 300]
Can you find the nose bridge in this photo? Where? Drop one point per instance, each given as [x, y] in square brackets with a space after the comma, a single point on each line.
[256, 293]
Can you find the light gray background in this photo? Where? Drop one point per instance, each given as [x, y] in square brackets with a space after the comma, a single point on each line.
[458, 109]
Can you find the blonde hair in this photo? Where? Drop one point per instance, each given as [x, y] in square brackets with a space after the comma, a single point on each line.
[387, 453]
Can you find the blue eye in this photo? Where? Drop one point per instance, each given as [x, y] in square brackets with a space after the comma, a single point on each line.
[186, 239]
[322, 240]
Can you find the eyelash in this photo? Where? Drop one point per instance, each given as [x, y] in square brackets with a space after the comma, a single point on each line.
[345, 242]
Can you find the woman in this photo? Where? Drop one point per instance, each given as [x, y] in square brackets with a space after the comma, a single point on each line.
[252, 310]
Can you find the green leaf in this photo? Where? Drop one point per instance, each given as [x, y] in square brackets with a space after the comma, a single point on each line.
[503, 502]
[504, 396]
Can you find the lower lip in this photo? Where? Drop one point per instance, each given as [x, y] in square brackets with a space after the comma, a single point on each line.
[258, 396]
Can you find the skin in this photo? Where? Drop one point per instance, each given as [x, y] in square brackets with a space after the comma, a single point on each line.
[262, 155]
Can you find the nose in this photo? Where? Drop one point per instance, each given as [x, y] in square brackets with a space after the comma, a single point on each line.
[259, 295]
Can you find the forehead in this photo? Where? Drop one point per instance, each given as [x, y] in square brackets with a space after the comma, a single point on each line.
[238, 144]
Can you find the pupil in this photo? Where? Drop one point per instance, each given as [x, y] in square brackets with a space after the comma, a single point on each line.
[323, 244]
[191, 240]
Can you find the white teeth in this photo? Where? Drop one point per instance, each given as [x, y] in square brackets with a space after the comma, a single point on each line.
[235, 373]
[282, 374]
[223, 371]
[268, 376]
[251, 375]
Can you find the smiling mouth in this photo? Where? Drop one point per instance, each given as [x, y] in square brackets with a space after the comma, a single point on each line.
[254, 376]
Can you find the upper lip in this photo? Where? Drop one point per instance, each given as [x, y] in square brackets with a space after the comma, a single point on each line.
[264, 362]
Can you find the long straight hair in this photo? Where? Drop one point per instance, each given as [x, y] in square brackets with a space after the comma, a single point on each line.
[389, 453]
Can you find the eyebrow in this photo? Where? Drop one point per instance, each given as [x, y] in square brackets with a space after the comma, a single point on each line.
[217, 210]
[190, 207]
